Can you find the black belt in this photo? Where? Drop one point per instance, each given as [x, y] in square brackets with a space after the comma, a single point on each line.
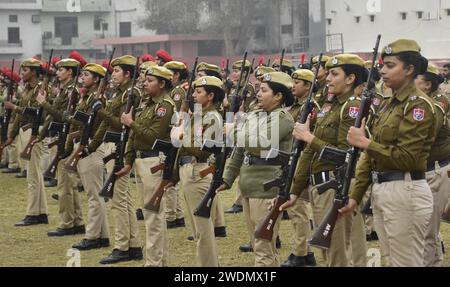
[141, 154]
[320, 177]
[442, 163]
[189, 159]
[251, 160]
[380, 177]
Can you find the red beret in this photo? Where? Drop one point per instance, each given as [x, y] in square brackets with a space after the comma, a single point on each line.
[261, 61]
[55, 60]
[147, 58]
[1, 70]
[15, 76]
[163, 55]
[76, 56]
[106, 65]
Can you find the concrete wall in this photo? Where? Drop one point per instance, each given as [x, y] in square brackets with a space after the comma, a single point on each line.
[431, 32]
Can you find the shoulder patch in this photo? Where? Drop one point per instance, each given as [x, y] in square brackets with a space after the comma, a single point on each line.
[161, 112]
[418, 114]
[353, 112]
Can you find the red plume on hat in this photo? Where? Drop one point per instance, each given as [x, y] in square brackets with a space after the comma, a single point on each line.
[15, 77]
[222, 64]
[76, 56]
[380, 61]
[163, 55]
[302, 60]
[147, 58]
[55, 60]
[106, 65]
[261, 61]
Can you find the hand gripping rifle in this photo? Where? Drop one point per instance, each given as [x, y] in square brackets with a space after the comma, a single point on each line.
[120, 140]
[5, 119]
[36, 114]
[170, 152]
[265, 229]
[88, 121]
[344, 174]
[221, 153]
[63, 131]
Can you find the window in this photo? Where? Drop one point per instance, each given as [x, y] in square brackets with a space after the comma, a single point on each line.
[36, 19]
[329, 21]
[372, 18]
[97, 24]
[357, 19]
[286, 29]
[419, 14]
[125, 29]
[105, 26]
[403, 14]
[210, 48]
[66, 27]
[448, 12]
[13, 35]
[13, 19]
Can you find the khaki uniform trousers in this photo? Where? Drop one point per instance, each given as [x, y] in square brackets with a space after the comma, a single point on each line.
[69, 199]
[339, 253]
[174, 206]
[11, 155]
[139, 196]
[401, 212]
[194, 188]
[48, 154]
[37, 200]
[300, 219]
[439, 183]
[156, 246]
[22, 141]
[124, 215]
[255, 210]
[238, 199]
[90, 170]
[358, 240]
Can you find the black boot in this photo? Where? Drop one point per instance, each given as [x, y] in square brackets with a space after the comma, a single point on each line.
[22, 174]
[285, 215]
[310, 260]
[116, 256]
[136, 253]
[86, 244]
[294, 261]
[247, 247]
[33, 220]
[220, 231]
[11, 170]
[180, 222]
[234, 209]
[278, 242]
[51, 183]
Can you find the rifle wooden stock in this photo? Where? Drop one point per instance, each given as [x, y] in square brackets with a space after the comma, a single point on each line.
[52, 144]
[155, 202]
[109, 158]
[51, 170]
[108, 188]
[72, 162]
[26, 127]
[446, 216]
[157, 168]
[205, 172]
[322, 236]
[26, 153]
[265, 228]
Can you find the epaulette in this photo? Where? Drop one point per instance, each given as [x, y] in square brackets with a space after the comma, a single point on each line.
[414, 98]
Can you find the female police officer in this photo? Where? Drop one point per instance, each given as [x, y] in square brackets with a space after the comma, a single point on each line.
[246, 161]
[395, 158]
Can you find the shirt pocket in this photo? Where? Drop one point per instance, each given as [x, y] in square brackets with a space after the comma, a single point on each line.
[388, 133]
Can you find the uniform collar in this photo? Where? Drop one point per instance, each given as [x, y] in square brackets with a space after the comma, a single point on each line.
[33, 84]
[208, 109]
[344, 97]
[404, 93]
[124, 87]
[69, 83]
[158, 99]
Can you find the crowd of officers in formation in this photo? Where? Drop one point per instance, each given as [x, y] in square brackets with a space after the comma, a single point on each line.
[404, 167]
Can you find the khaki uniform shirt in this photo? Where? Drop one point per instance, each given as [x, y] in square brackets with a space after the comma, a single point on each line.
[401, 138]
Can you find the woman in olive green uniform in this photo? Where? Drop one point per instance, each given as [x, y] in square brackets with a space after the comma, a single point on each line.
[152, 123]
[438, 164]
[248, 160]
[337, 115]
[207, 93]
[300, 212]
[395, 159]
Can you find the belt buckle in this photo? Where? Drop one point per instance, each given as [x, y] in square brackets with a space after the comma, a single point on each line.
[247, 160]
[138, 154]
[375, 177]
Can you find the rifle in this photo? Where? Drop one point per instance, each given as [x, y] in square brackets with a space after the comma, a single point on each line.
[187, 103]
[221, 152]
[8, 112]
[227, 71]
[88, 121]
[322, 237]
[63, 130]
[120, 140]
[280, 69]
[367, 209]
[169, 165]
[5, 119]
[265, 229]
[36, 114]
